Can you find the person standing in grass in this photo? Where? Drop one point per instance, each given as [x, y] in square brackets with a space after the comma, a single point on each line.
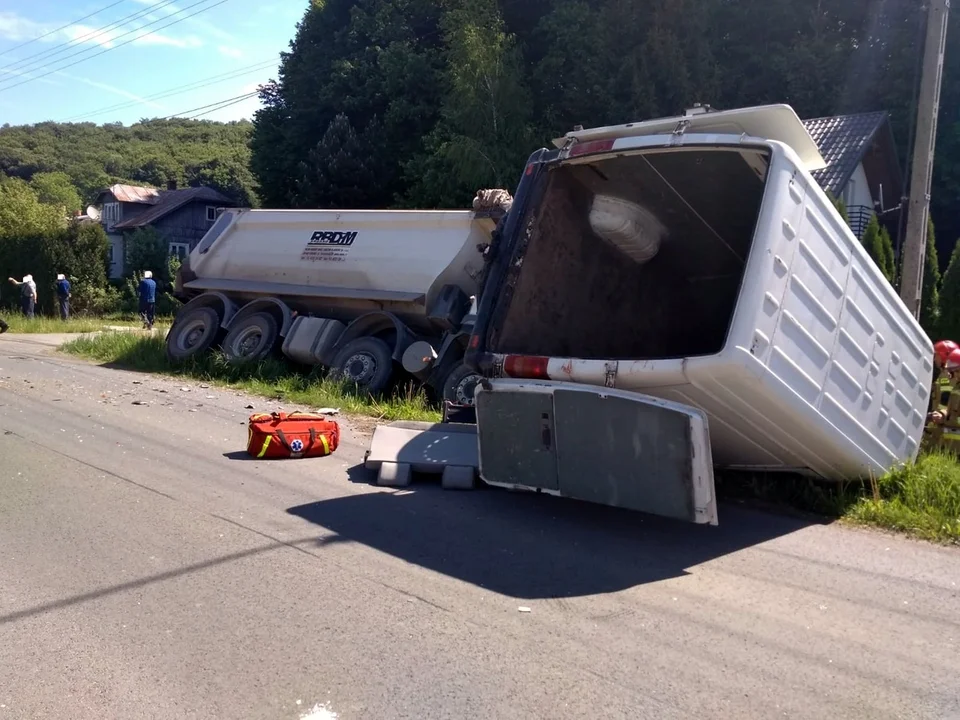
[148, 300]
[28, 295]
[63, 297]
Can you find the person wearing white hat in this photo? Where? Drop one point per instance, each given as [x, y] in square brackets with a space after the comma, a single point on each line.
[63, 296]
[28, 295]
[148, 299]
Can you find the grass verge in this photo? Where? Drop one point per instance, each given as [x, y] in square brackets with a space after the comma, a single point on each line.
[274, 379]
[79, 324]
[921, 500]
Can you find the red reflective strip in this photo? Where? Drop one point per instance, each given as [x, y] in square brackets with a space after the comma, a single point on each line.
[474, 342]
[526, 366]
[591, 147]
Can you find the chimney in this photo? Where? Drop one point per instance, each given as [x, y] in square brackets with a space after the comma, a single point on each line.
[171, 184]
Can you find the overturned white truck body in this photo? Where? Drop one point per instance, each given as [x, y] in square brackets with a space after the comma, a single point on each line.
[695, 259]
[363, 292]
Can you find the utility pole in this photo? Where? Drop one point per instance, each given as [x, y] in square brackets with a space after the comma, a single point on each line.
[921, 172]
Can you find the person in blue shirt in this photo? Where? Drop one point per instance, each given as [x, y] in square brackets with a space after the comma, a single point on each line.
[63, 296]
[148, 299]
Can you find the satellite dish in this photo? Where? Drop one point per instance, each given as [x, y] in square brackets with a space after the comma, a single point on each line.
[93, 213]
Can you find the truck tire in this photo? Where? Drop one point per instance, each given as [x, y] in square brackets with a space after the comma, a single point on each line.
[193, 333]
[364, 362]
[251, 338]
[461, 384]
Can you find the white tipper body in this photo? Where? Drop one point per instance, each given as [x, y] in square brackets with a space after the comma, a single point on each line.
[824, 369]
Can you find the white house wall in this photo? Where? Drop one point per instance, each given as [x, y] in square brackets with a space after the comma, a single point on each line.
[857, 192]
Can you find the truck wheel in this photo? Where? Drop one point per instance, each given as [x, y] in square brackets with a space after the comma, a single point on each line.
[461, 384]
[193, 333]
[365, 362]
[252, 338]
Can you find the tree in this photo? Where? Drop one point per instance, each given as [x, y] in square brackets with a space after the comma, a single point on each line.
[930, 302]
[337, 172]
[56, 188]
[841, 207]
[949, 326]
[147, 249]
[484, 133]
[23, 215]
[887, 254]
[876, 241]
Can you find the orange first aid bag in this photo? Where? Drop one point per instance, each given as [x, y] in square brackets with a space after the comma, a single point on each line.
[297, 435]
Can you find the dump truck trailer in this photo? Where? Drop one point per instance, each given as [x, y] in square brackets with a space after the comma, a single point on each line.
[364, 293]
[695, 259]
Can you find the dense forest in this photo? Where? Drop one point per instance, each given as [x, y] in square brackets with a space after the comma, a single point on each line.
[152, 152]
[419, 102]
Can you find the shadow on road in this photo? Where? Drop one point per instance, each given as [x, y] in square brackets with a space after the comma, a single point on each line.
[536, 546]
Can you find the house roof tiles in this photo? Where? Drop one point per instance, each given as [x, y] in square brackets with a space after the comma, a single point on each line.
[843, 141]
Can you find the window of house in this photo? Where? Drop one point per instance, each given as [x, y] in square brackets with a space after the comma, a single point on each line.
[179, 250]
[111, 213]
[211, 213]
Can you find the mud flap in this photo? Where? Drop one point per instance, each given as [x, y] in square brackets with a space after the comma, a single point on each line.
[596, 444]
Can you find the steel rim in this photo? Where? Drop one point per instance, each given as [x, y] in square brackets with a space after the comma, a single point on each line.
[191, 334]
[247, 342]
[359, 368]
[465, 388]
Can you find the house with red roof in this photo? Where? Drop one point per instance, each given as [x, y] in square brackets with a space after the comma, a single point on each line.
[181, 216]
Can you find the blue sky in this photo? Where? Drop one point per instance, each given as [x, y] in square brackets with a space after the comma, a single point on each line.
[135, 59]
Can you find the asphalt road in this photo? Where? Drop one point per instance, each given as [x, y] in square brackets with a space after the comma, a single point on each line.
[147, 570]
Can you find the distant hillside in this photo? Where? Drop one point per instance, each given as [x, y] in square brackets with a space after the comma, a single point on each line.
[192, 152]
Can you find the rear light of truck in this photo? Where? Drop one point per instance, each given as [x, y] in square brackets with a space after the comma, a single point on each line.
[595, 146]
[526, 366]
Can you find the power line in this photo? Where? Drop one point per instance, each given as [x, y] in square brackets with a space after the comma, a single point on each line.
[52, 52]
[117, 47]
[226, 105]
[230, 101]
[178, 89]
[62, 27]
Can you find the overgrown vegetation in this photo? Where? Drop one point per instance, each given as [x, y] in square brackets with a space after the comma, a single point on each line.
[274, 379]
[69, 163]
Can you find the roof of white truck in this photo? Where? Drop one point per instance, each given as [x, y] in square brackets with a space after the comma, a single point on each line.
[773, 122]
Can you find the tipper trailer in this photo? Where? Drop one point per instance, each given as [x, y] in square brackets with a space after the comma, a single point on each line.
[360, 292]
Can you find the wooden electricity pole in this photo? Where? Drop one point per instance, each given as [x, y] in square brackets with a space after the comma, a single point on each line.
[928, 107]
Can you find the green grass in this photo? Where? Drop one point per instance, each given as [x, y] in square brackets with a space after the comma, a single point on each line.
[274, 379]
[48, 325]
[921, 500]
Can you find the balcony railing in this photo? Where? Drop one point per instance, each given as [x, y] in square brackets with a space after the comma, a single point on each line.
[858, 217]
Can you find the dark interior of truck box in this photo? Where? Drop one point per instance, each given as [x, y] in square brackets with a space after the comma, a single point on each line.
[573, 293]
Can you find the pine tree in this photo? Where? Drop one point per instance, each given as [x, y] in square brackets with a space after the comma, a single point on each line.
[930, 302]
[337, 172]
[841, 207]
[878, 248]
[889, 264]
[949, 325]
